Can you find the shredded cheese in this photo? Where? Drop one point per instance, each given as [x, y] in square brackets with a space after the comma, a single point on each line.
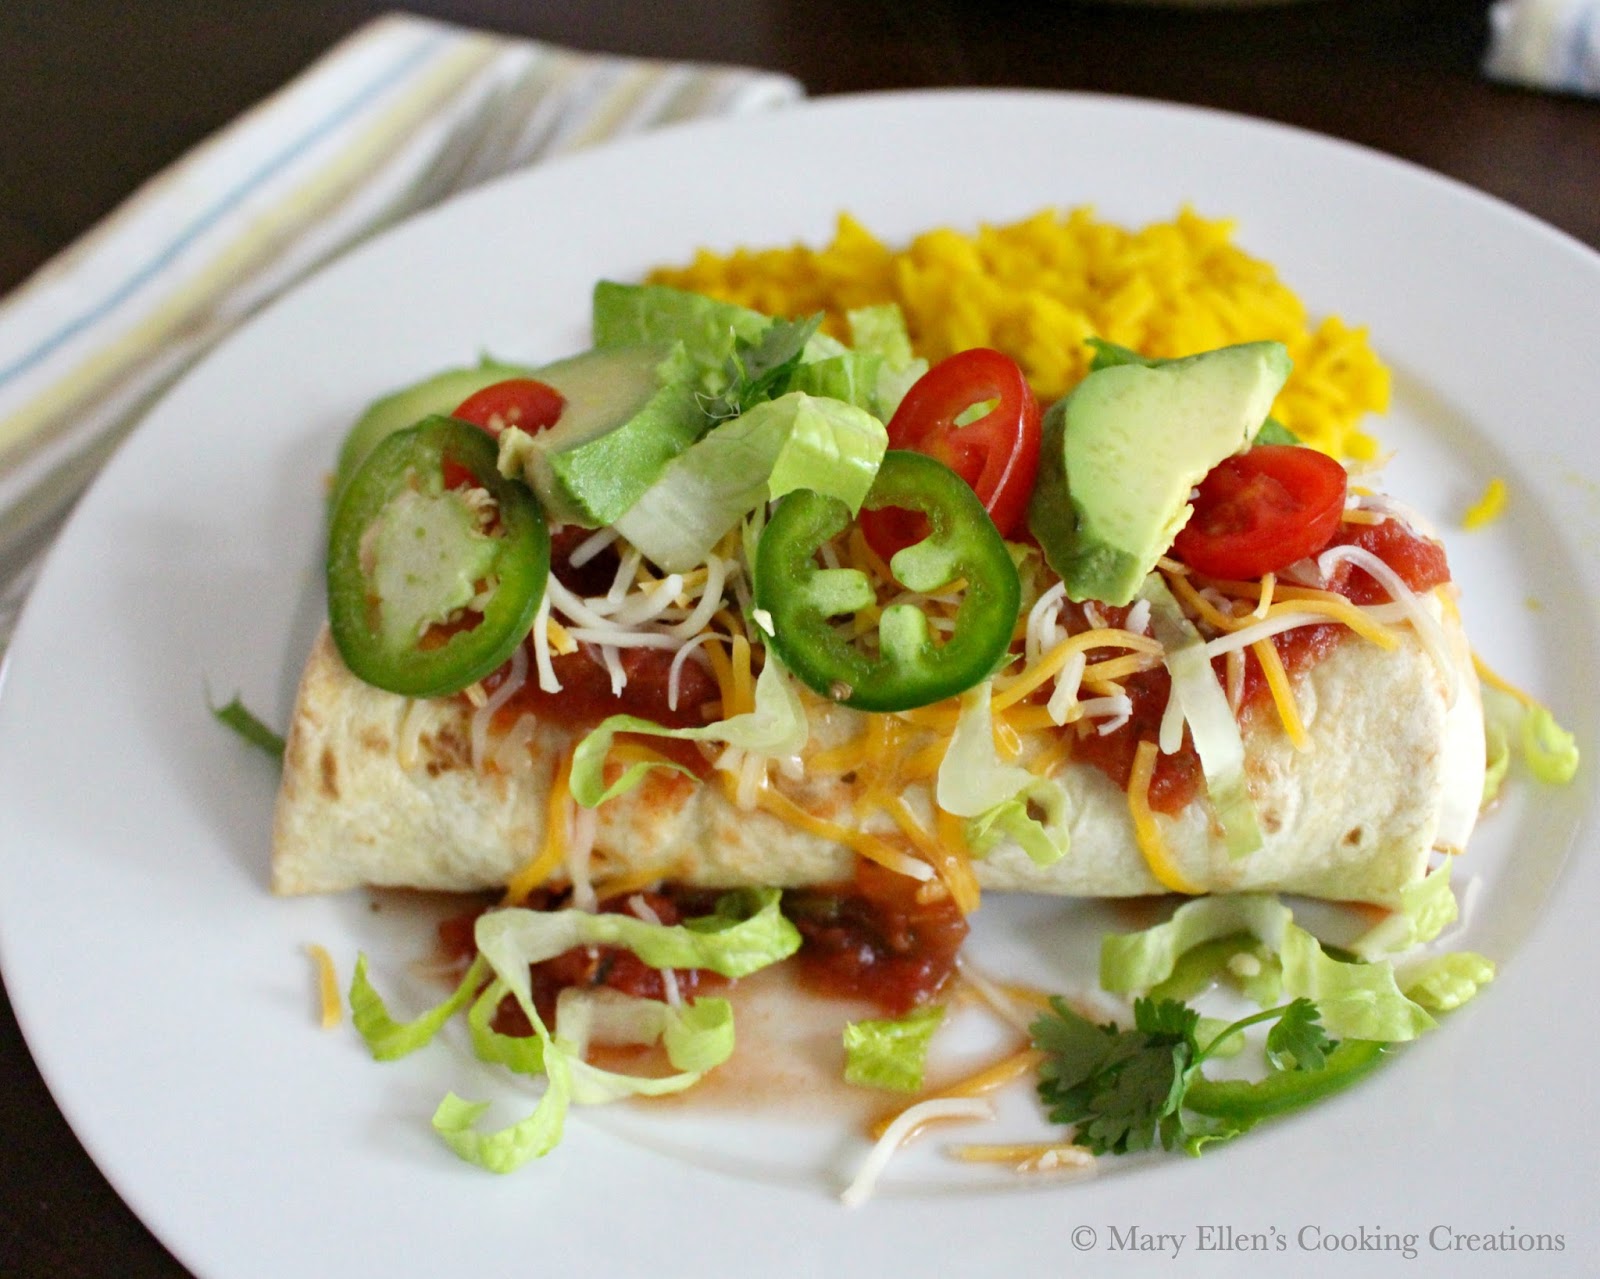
[331, 1009]
[909, 1120]
[1488, 507]
[980, 1083]
[1025, 1157]
[558, 812]
[1282, 694]
[1145, 830]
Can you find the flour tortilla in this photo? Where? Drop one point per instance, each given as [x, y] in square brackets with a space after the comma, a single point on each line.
[379, 790]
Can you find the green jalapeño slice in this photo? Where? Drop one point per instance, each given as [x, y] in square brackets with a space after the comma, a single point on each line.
[436, 562]
[912, 665]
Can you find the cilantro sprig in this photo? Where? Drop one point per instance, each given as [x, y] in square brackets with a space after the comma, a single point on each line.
[1134, 1089]
[760, 370]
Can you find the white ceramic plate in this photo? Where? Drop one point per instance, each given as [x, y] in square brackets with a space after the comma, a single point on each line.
[165, 993]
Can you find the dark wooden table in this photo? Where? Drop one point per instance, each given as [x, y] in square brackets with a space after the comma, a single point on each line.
[97, 95]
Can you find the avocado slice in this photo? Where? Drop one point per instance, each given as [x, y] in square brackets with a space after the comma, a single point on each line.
[627, 415]
[1121, 453]
[437, 395]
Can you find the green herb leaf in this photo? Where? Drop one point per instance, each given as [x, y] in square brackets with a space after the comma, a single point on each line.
[760, 370]
[1297, 1039]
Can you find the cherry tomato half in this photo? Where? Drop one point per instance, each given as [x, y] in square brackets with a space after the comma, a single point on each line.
[1260, 511]
[997, 454]
[519, 401]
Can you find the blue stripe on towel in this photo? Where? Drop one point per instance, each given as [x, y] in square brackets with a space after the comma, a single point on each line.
[230, 201]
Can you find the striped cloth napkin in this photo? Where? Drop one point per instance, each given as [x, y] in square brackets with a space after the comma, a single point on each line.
[400, 115]
[1545, 44]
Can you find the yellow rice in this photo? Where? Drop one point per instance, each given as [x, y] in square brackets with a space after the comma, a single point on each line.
[1037, 288]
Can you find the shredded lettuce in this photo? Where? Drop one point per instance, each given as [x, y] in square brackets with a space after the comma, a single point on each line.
[880, 331]
[1427, 908]
[1217, 740]
[731, 946]
[747, 932]
[995, 797]
[796, 441]
[890, 1052]
[1445, 982]
[776, 727]
[1357, 1000]
[1525, 730]
[389, 1039]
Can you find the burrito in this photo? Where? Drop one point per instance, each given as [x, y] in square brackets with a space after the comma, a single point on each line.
[379, 789]
[723, 603]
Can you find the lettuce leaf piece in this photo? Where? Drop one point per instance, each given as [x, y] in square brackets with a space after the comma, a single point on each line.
[1357, 1000]
[506, 1150]
[1445, 982]
[1044, 842]
[1217, 739]
[513, 936]
[796, 441]
[1427, 908]
[995, 797]
[851, 378]
[880, 332]
[1529, 732]
[776, 727]
[521, 1054]
[890, 1052]
[1551, 751]
[972, 777]
[697, 1036]
[388, 1039]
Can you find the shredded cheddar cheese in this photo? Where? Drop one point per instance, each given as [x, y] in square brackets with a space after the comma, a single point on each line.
[991, 1078]
[1282, 694]
[558, 812]
[331, 1008]
[1145, 830]
[1489, 507]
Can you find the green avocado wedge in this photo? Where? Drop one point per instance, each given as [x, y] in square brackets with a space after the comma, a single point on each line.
[436, 395]
[626, 416]
[1122, 452]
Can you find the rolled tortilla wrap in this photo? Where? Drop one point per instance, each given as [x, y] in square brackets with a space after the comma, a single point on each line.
[378, 790]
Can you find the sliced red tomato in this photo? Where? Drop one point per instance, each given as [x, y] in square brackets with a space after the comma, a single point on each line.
[997, 453]
[520, 401]
[1260, 511]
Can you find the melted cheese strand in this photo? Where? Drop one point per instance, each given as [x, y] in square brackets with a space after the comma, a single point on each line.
[869, 846]
[1025, 1157]
[947, 854]
[1053, 661]
[516, 677]
[1145, 829]
[558, 810]
[591, 546]
[675, 671]
[991, 1078]
[1282, 693]
[542, 624]
[866, 1180]
[1370, 622]
[1428, 630]
[710, 600]
[511, 755]
[1068, 681]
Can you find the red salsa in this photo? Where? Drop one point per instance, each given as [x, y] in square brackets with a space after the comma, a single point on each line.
[1420, 563]
[874, 939]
